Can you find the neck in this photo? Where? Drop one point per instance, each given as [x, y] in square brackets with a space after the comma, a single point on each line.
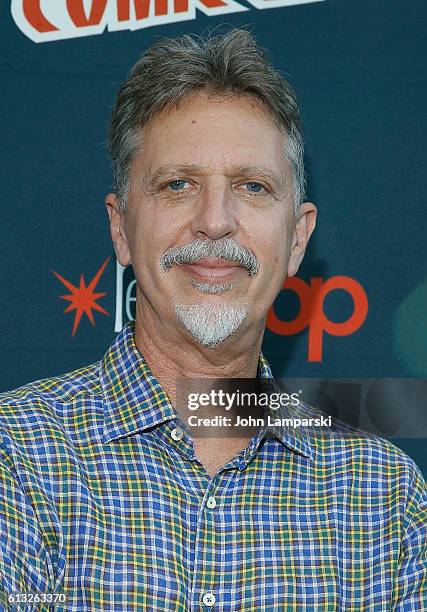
[172, 354]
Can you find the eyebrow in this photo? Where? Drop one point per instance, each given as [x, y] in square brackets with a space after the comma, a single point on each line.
[258, 171]
[247, 171]
[170, 169]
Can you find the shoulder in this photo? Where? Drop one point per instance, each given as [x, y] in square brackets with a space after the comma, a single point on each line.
[365, 459]
[57, 388]
[47, 403]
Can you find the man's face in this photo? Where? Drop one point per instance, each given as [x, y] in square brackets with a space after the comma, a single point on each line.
[211, 170]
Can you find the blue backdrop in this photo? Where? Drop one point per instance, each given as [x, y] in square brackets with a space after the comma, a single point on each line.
[358, 68]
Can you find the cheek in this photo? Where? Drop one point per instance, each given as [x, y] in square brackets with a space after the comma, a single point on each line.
[268, 238]
[276, 267]
[274, 252]
[152, 235]
[274, 264]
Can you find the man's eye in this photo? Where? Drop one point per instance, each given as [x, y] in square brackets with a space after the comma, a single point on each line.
[177, 185]
[254, 187]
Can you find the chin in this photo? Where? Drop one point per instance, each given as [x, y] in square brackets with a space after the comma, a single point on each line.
[210, 323]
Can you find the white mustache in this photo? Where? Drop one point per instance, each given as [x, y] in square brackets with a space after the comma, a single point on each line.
[225, 248]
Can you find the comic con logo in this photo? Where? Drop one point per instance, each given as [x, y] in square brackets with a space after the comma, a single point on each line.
[48, 20]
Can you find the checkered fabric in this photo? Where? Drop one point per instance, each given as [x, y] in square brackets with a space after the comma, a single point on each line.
[100, 502]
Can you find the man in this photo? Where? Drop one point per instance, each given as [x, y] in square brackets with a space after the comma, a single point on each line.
[106, 497]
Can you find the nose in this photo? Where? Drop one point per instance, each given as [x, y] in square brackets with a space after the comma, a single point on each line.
[215, 214]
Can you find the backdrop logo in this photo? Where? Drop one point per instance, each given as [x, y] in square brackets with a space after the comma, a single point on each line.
[83, 298]
[312, 313]
[47, 20]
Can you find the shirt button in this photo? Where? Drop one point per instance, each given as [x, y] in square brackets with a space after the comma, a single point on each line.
[177, 434]
[211, 502]
[208, 599]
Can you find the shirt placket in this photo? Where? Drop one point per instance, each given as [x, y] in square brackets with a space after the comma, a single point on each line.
[204, 591]
[204, 594]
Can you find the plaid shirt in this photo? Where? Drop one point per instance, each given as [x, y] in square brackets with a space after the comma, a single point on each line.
[102, 501]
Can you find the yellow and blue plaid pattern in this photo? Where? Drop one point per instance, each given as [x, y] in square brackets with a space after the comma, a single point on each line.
[99, 502]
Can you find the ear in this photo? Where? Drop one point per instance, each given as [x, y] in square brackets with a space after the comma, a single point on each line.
[118, 235]
[304, 227]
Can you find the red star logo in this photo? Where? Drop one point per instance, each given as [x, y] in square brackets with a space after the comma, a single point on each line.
[82, 298]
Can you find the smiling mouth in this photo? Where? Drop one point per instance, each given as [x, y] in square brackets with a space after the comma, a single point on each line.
[212, 269]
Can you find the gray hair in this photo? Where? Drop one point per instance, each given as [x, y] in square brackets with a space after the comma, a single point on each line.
[175, 68]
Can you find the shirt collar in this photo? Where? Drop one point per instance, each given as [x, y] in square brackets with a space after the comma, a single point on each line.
[134, 399]
[290, 437]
